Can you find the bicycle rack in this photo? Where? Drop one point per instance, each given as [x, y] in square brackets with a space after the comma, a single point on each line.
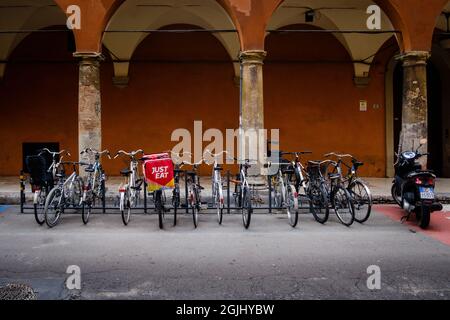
[146, 207]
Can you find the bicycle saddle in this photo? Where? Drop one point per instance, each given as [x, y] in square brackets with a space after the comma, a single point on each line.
[89, 169]
[357, 163]
[125, 172]
[334, 176]
[60, 175]
[218, 168]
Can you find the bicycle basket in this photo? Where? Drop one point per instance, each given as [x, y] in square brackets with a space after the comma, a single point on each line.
[38, 166]
[158, 172]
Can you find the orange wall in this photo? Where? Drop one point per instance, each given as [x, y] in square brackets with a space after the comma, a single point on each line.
[316, 105]
[38, 101]
[162, 97]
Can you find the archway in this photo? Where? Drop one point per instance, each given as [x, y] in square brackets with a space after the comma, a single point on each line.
[38, 97]
[175, 79]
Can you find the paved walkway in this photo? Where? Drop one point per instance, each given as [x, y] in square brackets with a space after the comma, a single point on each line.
[381, 189]
[271, 260]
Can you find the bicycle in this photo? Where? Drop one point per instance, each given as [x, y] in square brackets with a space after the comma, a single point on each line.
[66, 194]
[283, 191]
[217, 185]
[176, 197]
[242, 195]
[317, 192]
[339, 197]
[194, 190]
[130, 190]
[360, 192]
[42, 179]
[94, 187]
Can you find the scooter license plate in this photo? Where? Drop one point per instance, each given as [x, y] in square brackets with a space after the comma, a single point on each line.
[426, 193]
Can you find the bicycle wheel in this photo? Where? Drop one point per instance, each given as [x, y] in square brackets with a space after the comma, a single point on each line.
[39, 206]
[159, 208]
[125, 208]
[247, 209]
[54, 206]
[318, 200]
[277, 194]
[195, 206]
[86, 207]
[175, 203]
[218, 199]
[362, 201]
[292, 205]
[343, 206]
[77, 192]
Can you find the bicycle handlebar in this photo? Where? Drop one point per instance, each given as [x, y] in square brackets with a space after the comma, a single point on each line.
[331, 154]
[296, 153]
[131, 154]
[96, 153]
[56, 153]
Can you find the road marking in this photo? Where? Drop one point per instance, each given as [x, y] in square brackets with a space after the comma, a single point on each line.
[3, 208]
[439, 228]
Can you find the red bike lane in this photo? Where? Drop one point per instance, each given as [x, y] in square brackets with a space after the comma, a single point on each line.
[439, 228]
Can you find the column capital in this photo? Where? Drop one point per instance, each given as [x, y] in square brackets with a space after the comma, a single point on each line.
[89, 57]
[252, 56]
[414, 58]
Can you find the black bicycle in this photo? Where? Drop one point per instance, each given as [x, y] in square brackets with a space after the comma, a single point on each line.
[243, 193]
[359, 191]
[94, 188]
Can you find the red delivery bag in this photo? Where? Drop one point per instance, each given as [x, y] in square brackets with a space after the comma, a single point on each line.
[158, 171]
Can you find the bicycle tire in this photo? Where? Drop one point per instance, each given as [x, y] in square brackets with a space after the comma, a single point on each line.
[77, 192]
[195, 208]
[57, 193]
[292, 211]
[318, 201]
[345, 203]
[39, 209]
[176, 204]
[360, 198]
[247, 209]
[86, 209]
[125, 209]
[159, 209]
[219, 206]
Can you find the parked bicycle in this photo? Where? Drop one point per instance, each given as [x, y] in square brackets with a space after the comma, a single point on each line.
[42, 179]
[194, 189]
[159, 177]
[359, 191]
[94, 189]
[338, 196]
[317, 192]
[217, 185]
[67, 193]
[283, 190]
[243, 193]
[130, 190]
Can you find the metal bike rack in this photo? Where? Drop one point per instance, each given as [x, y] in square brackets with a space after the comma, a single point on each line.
[146, 207]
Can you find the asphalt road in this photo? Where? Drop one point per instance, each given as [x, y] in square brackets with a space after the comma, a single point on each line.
[269, 261]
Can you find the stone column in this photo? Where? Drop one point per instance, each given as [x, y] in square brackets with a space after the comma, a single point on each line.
[415, 104]
[89, 105]
[252, 103]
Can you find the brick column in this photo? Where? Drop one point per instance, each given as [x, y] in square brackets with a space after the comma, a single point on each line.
[89, 104]
[252, 102]
[415, 104]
